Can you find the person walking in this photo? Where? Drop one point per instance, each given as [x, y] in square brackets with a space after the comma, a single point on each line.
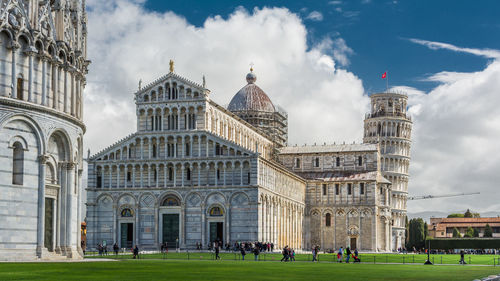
[243, 253]
[462, 257]
[285, 254]
[348, 254]
[115, 248]
[292, 255]
[217, 249]
[314, 253]
[256, 252]
[136, 252]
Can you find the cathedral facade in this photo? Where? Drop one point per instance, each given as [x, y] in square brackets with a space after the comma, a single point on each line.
[196, 172]
[42, 77]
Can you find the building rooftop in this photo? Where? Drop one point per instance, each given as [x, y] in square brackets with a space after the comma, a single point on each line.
[328, 148]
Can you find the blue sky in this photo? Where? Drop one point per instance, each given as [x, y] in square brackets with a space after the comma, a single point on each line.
[377, 31]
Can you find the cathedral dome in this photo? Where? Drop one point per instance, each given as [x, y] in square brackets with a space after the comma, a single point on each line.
[251, 97]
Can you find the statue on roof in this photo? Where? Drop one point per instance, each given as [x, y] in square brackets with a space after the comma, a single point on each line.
[171, 63]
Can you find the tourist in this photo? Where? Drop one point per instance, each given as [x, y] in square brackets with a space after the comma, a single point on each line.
[285, 254]
[256, 252]
[348, 254]
[339, 255]
[136, 252]
[462, 257]
[292, 255]
[216, 246]
[356, 252]
[115, 248]
[243, 253]
[314, 253]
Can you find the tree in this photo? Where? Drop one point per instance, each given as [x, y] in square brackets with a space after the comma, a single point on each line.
[455, 215]
[456, 233]
[476, 232]
[468, 214]
[416, 233]
[469, 233]
[406, 231]
[476, 215]
[488, 232]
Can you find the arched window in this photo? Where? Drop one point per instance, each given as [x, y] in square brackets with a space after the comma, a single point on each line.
[328, 219]
[337, 161]
[170, 173]
[171, 201]
[17, 164]
[154, 150]
[297, 163]
[360, 160]
[316, 162]
[99, 179]
[19, 93]
[188, 174]
[216, 212]
[127, 213]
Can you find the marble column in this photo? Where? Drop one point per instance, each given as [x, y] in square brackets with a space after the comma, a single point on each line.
[42, 159]
[70, 170]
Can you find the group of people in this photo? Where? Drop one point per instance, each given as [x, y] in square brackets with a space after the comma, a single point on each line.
[288, 254]
[347, 253]
[102, 249]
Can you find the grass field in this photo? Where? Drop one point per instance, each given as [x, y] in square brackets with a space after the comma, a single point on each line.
[236, 270]
[365, 258]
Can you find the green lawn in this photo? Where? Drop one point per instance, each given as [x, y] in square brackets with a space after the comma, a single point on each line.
[365, 258]
[235, 270]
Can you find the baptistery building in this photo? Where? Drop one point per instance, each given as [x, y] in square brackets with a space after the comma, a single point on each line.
[197, 172]
[42, 76]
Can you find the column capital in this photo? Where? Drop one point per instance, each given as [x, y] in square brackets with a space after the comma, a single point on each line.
[43, 158]
[14, 45]
[30, 51]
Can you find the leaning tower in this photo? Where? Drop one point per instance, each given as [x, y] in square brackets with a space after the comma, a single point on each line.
[389, 125]
[43, 63]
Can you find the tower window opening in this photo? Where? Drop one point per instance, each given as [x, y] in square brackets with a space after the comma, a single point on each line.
[324, 189]
[19, 94]
[17, 164]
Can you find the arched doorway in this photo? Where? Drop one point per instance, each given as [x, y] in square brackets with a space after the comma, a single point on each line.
[170, 221]
[216, 224]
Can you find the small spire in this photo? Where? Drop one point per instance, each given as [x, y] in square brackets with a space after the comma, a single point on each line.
[204, 81]
[140, 84]
[251, 67]
[171, 63]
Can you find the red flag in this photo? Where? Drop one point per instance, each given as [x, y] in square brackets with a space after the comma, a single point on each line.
[384, 75]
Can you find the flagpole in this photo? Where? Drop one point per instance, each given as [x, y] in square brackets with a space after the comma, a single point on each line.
[387, 81]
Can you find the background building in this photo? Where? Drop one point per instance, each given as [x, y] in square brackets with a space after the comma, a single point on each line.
[43, 67]
[443, 227]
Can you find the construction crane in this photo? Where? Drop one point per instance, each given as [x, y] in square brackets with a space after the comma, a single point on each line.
[440, 196]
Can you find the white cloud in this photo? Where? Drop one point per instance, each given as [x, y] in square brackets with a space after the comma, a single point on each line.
[487, 53]
[455, 137]
[128, 43]
[315, 16]
[336, 2]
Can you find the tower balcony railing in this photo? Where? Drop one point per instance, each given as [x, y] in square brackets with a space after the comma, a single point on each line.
[387, 114]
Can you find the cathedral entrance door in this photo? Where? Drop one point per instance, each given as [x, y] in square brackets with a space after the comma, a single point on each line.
[216, 231]
[353, 243]
[49, 224]
[171, 230]
[126, 235]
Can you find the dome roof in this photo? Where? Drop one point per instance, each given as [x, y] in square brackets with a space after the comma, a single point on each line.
[251, 98]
